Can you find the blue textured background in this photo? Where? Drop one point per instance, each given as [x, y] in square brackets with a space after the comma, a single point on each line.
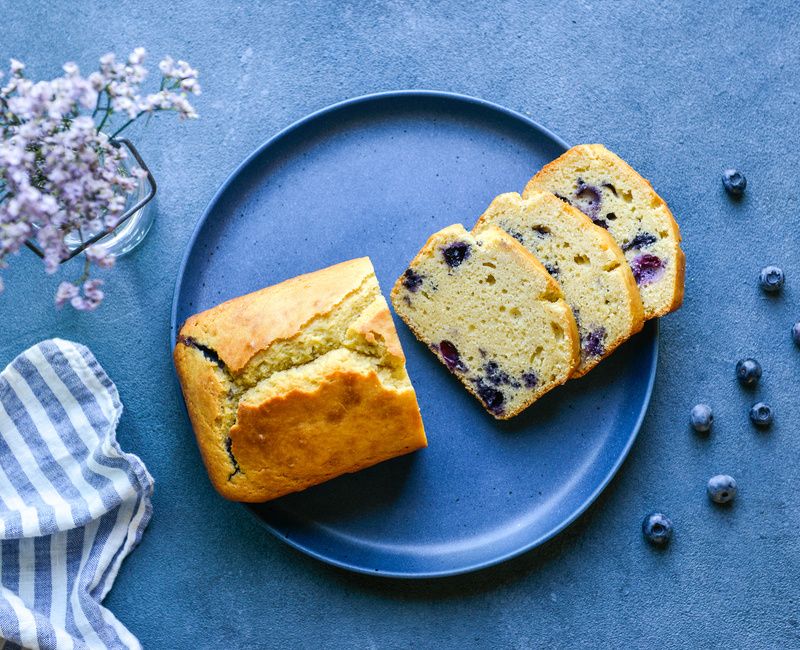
[682, 90]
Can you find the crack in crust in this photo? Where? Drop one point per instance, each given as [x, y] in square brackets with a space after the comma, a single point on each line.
[369, 342]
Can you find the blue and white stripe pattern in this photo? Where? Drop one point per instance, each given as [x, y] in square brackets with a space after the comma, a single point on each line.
[72, 504]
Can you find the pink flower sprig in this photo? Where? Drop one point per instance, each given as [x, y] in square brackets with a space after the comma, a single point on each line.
[61, 171]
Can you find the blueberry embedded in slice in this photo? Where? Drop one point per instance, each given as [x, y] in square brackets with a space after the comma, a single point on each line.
[451, 357]
[588, 199]
[552, 269]
[497, 376]
[412, 280]
[455, 253]
[641, 240]
[530, 379]
[515, 234]
[594, 342]
[492, 398]
[647, 268]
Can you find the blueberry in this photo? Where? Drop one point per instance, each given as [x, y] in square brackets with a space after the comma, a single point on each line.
[702, 418]
[530, 379]
[491, 397]
[748, 372]
[496, 376]
[588, 199]
[593, 342]
[542, 231]
[451, 357]
[455, 253]
[516, 235]
[552, 269]
[734, 182]
[412, 280]
[796, 333]
[641, 240]
[657, 529]
[771, 279]
[721, 488]
[761, 414]
[647, 268]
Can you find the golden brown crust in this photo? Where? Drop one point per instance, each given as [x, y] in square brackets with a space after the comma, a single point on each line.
[205, 390]
[239, 328]
[599, 151]
[376, 326]
[290, 442]
[359, 410]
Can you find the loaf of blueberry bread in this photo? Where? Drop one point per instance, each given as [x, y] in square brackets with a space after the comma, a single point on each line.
[585, 260]
[492, 314]
[615, 197]
[297, 383]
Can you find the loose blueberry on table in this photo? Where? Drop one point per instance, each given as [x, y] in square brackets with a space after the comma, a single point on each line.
[702, 418]
[771, 279]
[721, 488]
[657, 528]
[748, 372]
[734, 182]
[761, 415]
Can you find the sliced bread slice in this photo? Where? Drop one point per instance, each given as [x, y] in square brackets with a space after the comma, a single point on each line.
[492, 314]
[614, 196]
[584, 258]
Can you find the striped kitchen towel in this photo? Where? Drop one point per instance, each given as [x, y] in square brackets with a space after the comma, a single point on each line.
[72, 504]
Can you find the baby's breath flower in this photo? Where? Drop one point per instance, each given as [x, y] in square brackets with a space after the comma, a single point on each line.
[60, 172]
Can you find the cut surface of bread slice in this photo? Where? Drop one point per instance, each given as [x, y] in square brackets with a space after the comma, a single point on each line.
[492, 315]
[613, 195]
[584, 258]
[297, 383]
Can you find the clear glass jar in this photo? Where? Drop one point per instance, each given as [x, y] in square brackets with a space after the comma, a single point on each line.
[130, 233]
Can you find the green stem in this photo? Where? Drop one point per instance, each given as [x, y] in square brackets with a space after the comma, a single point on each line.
[105, 117]
[97, 105]
[86, 270]
[125, 126]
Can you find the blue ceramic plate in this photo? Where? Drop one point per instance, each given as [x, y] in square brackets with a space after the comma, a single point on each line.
[376, 176]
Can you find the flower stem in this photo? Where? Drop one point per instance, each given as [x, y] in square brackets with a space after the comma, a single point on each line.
[124, 126]
[105, 117]
[86, 269]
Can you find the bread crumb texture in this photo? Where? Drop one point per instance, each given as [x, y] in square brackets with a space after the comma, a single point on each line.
[492, 314]
[597, 282]
[297, 383]
[615, 197]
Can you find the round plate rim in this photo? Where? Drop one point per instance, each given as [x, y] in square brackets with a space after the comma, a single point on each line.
[259, 151]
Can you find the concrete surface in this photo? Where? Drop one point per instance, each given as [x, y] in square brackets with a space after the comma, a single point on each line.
[682, 90]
